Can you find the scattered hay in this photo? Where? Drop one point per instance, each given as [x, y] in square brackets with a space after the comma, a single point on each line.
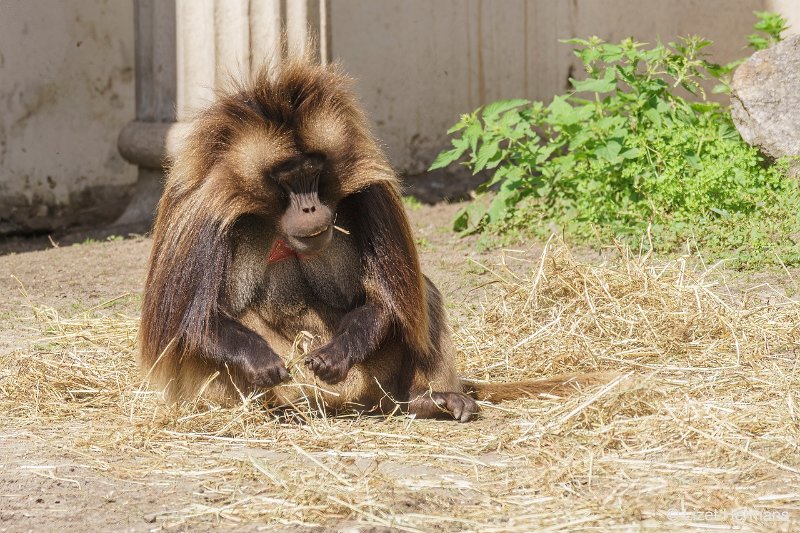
[708, 426]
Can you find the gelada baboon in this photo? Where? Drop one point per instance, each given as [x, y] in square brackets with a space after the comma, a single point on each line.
[282, 215]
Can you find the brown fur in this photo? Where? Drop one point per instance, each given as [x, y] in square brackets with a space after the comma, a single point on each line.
[555, 385]
[214, 306]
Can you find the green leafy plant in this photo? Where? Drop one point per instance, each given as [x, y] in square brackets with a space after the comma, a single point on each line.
[635, 147]
[770, 27]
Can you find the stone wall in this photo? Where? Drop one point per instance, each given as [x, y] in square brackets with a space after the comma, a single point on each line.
[66, 89]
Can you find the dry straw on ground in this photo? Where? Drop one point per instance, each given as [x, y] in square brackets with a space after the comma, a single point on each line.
[707, 423]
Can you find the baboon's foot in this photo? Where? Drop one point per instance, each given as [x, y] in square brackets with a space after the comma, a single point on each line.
[443, 404]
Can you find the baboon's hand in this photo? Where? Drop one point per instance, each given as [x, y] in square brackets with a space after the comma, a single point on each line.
[330, 362]
[265, 370]
[249, 352]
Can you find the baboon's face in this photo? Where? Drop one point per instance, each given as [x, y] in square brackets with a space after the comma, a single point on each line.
[306, 223]
[297, 163]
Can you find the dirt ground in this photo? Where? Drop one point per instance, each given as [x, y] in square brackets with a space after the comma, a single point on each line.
[40, 488]
[46, 484]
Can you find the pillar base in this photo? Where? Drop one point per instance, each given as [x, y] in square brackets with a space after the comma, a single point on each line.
[151, 146]
[140, 213]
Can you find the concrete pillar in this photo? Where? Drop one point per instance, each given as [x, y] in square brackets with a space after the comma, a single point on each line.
[185, 49]
[142, 141]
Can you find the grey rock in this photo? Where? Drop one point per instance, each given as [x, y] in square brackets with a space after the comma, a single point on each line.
[765, 99]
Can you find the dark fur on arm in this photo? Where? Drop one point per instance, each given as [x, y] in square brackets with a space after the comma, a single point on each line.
[232, 346]
[360, 333]
[394, 279]
[183, 310]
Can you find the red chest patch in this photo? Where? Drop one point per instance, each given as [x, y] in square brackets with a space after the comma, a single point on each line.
[280, 251]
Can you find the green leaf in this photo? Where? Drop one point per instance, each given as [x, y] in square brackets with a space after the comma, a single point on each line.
[486, 152]
[721, 88]
[504, 199]
[559, 107]
[653, 116]
[631, 153]
[610, 151]
[498, 176]
[771, 24]
[469, 219]
[493, 110]
[496, 209]
[593, 85]
[611, 53]
[563, 114]
[472, 135]
[461, 220]
[693, 160]
[728, 132]
[605, 84]
[721, 212]
[704, 107]
[446, 158]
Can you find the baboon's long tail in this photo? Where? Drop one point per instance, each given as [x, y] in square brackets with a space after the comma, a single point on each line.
[560, 385]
